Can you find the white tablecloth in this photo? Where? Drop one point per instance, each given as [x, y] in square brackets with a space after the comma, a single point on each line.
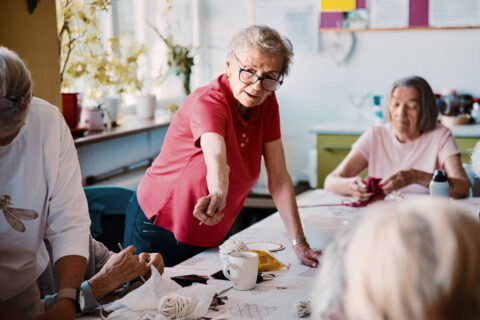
[274, 299]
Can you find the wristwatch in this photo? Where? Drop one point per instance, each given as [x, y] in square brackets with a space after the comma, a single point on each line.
[299, 240]
[74, 294]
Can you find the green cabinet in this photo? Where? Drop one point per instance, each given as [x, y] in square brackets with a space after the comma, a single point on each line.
[332, 149]
[466, 146]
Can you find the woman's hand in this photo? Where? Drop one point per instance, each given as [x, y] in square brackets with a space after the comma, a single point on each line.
[306, 255]
[120, 268]
[358, 189]
[152, 259]
[124, 266]
[62, 309]
[209, 209]
[398, 180]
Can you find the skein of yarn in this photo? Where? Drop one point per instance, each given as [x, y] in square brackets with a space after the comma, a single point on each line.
[230, 246]
[302, 308]
[175, 306]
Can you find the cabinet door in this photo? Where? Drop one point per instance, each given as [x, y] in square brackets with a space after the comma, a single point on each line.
[331, 149]
[466, 146]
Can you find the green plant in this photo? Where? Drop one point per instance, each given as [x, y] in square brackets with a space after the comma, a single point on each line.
[83, 56]
[179, 59]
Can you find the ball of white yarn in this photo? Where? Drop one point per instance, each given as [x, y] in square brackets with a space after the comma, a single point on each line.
[302, 308]
[230, 246]
[175, 306]
[476, 160]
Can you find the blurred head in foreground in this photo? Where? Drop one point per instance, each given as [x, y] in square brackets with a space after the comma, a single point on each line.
[409, 260]
[476, 159]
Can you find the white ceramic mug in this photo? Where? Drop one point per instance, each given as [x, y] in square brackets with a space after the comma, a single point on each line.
[242, 268]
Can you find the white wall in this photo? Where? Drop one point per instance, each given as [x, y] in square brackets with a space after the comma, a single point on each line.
[317, 89]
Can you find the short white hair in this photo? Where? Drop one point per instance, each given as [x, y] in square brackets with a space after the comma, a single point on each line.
[476, 159]
[15, 90]
[327, 295]
[267, 40]
[414, 260]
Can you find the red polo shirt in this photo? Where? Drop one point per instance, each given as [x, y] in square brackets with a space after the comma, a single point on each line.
[177, 178]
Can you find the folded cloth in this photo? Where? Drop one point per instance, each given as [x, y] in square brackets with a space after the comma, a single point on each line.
[147, 299]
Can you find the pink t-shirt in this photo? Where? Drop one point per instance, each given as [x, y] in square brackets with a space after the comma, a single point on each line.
[177, 178]
[386, 155]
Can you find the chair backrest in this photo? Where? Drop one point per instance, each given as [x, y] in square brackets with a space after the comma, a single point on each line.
[107, 206]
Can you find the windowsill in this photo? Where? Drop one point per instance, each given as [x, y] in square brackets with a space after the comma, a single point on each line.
[129, 125]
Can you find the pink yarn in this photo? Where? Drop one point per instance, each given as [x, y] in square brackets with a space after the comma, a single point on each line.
[373, 185]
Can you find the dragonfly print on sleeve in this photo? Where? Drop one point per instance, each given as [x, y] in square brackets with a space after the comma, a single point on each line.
[14, 215]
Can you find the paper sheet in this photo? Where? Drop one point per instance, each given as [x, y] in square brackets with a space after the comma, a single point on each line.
[451, 13]
[337, 5]
[388, 13]
[298, 20]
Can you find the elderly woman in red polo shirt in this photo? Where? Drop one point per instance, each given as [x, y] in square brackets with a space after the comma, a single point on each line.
[210, 159]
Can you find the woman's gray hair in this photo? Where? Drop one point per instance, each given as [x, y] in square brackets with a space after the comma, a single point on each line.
[327, 295]
[15, 90]
[475, 159]
[416, 259]
[267, 40]
[428, 106]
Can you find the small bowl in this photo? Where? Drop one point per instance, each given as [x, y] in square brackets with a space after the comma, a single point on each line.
[321, 231]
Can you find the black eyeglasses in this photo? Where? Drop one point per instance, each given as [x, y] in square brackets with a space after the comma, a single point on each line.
[250, 78]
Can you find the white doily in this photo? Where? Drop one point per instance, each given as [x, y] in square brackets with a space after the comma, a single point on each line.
[230, 246]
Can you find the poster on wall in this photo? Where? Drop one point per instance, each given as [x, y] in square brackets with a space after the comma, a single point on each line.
[448, 13]
[337, 5]
[297, 19]
[399, 14]
[388, 13]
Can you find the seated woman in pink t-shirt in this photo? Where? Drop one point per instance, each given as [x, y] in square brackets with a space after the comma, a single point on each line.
[405, 152]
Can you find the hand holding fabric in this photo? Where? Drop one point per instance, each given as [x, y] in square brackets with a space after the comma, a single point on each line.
[359, 190]
[152, 259]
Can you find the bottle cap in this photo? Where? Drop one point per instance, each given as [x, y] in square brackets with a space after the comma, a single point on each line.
[440, 176]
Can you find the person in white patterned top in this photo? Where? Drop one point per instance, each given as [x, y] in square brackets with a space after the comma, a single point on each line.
[41, 196]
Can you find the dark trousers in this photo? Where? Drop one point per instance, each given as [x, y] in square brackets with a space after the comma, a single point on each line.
[147, 237]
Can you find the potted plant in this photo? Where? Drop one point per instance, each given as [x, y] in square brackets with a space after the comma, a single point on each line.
[78, 38]
[101, 73]
[179, 59]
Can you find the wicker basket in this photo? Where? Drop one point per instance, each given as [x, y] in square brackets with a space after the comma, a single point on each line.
[453, 121]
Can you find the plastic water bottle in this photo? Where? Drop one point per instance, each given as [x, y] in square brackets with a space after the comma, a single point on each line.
[439, 185]
[475, 112]
[377, 110]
